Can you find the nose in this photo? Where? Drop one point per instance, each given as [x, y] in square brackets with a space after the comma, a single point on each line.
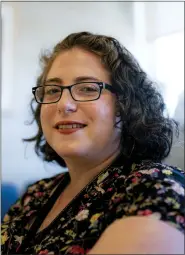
[66, 103]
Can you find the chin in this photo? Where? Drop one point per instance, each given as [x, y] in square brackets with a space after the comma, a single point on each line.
[69, 155]
[71, 152]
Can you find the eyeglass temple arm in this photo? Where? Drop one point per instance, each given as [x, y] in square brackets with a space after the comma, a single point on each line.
[110, 87]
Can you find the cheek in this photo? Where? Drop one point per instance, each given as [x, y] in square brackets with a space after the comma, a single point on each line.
[104, 112]
[107, 109]
[46, 115]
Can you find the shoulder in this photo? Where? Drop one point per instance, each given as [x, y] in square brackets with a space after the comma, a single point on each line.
[42, 189]
[156, 190]
[148, 174]
[148, 170]
[45, 184]
[35, 196]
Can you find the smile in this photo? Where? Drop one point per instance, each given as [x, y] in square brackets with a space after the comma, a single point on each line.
[70, 126]
[67, 129]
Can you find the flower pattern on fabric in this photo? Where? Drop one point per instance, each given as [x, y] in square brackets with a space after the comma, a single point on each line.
[149, 190]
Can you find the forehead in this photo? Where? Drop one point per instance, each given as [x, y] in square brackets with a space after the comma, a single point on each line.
[77, 62]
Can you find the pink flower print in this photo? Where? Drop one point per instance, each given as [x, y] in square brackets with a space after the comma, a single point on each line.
[76, 249]
[137, 174]
[27, 208]
[39, 194]
[180, 219]
[145, 212]
[30, 213]
[155, 170]
[135, 180]
[43, 252]
[17, 249]
[17, 205]
[109, 189]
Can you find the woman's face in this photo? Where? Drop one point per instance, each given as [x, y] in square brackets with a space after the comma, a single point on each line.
[99, 138]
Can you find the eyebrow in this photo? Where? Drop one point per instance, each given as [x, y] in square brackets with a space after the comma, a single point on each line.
[77, 79]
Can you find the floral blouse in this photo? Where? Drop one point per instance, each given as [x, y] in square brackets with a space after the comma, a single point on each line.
[147, 189]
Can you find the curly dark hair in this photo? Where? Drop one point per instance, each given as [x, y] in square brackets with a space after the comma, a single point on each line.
[147, 132]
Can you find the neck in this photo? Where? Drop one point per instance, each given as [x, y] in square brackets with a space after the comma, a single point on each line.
[82, 171]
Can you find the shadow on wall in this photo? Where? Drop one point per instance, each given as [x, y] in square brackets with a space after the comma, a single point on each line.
[179, 111]
[176, 157]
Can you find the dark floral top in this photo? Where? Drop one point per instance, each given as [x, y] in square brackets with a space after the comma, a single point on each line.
[146, 188]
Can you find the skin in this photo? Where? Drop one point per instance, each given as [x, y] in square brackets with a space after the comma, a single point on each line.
[89, 150]
[139, 235]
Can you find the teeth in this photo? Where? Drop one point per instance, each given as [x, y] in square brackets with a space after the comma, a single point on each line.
[70, 126]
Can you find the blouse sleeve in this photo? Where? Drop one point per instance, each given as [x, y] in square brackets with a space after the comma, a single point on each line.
[157, 192]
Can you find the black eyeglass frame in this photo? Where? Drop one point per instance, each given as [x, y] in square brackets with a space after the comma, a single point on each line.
[102, 86]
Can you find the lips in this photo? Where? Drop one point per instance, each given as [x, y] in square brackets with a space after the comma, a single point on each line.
[68, 127]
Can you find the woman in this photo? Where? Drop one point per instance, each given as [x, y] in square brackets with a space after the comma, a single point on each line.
[101, 117]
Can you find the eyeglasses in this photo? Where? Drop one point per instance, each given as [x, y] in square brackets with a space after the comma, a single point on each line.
[83, 92]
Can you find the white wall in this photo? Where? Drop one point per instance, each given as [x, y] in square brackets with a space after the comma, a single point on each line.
[163, 18]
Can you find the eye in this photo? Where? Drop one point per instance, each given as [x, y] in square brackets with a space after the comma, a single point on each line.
[88, 88]
[51, 90]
